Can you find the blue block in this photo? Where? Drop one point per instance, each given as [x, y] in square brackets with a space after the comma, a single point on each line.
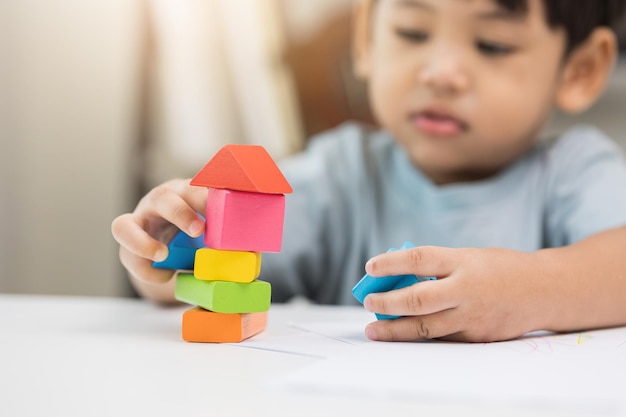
[369, 284]
[182, 252]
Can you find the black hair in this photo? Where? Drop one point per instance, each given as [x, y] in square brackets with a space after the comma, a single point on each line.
[578, 17]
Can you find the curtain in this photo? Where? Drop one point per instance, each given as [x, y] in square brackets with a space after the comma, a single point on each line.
[214, 76]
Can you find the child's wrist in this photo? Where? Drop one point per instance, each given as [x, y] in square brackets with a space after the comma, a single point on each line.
[546, 286]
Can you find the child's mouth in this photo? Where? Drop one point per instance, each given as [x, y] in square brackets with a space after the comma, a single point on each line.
[438, 124]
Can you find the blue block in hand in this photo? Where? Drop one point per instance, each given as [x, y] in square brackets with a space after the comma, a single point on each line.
[182, 252]
[369, 284]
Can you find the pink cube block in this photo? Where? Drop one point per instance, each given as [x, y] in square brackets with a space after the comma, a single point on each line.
[244, 221]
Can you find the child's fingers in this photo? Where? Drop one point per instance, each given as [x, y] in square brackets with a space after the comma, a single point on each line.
[141, 268]
[129, 234]
[408, 329]
[424, 260]
[422, 298]
[168, 204]
[195, 197]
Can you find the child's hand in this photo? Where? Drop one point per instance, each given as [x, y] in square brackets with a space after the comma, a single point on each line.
[480, 295]
[143, 233]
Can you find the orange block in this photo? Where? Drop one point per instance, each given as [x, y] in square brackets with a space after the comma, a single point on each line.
[200, 325]
[242, 168]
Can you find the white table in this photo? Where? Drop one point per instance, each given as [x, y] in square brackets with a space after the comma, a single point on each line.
[70, 356]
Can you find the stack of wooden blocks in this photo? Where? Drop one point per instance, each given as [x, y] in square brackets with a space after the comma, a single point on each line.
[244, 217]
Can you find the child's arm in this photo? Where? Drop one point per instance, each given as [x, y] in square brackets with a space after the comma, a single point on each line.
[496, 294]
[141, 234]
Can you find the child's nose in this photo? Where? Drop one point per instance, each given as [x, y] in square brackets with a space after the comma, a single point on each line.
[444, 72]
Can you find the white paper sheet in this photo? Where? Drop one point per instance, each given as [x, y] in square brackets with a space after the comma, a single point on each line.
[315, 339]
[576, 373]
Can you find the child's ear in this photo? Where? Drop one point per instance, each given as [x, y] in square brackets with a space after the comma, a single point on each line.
[586, 71]
[361, 38]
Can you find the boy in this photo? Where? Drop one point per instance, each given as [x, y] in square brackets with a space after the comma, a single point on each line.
[521, 235]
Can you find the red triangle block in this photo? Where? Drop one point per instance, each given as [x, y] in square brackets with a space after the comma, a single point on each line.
[242, 168]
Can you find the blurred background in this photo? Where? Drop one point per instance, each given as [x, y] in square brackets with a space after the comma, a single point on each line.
[102, 100]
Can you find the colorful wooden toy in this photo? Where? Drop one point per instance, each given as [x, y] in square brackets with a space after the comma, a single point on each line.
[201, 325]
[243, 168]
[244, 221]
[223, 296]
[369, 284]
[244, 216]
[227, 265]
[181, 252]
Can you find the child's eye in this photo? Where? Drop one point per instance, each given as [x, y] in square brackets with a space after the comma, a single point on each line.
[416, 36]
[493, 48]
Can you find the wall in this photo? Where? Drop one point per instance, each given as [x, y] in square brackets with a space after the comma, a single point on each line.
[69, 99]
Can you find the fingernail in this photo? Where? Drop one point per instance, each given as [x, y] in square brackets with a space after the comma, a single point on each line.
[160, 255]
[371, 333]
[369, 265]
[196, 227]
[367, 303]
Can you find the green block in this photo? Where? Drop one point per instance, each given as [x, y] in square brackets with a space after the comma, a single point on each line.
[223, 296]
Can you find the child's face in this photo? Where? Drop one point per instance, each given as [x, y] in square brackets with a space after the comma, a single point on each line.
[464, 85]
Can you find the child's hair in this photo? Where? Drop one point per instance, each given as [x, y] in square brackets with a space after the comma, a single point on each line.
[578, 17]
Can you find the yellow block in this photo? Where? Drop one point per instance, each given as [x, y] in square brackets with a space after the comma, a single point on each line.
[227, 265]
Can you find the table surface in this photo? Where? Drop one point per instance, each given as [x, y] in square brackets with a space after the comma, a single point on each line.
[65, 356]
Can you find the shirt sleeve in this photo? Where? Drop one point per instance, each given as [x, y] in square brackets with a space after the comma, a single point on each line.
[587, 192]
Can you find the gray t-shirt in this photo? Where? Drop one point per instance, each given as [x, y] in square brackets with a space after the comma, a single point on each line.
[356, 194]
